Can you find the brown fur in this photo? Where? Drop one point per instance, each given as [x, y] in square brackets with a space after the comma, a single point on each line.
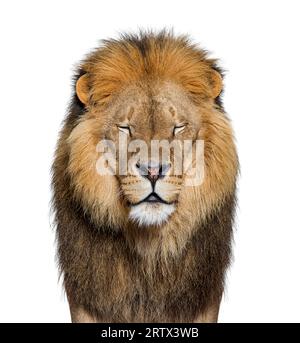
[113, 270]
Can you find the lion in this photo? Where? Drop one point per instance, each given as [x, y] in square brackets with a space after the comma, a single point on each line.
[145, 245]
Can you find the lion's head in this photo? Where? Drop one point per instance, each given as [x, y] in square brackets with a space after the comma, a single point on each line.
[148, 88]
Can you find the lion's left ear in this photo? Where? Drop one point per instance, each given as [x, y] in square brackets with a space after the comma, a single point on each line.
[216, 83]
[82, 89]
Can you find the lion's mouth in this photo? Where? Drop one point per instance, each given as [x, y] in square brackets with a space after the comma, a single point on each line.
[152, 198]
[151, 211]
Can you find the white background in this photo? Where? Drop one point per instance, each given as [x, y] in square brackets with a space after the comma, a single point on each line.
[258, 43]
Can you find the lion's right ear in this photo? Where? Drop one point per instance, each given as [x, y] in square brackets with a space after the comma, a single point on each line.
[82, 89]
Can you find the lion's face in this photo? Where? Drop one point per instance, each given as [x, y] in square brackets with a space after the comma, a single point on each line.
[142, 117]
[147, 186]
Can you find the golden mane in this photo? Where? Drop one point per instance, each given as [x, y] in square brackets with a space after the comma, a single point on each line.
[136, 57]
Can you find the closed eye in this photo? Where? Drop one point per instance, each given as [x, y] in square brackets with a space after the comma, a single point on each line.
[179, 128]
[125, 129]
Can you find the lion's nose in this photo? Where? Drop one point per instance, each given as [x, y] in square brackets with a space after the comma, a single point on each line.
[153, 172]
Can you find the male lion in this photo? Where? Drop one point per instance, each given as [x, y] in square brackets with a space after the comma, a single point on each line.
[145, 245]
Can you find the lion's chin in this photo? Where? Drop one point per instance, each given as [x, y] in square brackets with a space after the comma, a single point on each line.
[151, 214]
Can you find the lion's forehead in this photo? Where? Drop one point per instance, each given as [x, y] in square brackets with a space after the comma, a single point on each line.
[152, 108]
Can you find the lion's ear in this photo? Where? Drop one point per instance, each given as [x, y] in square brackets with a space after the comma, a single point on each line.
[216, 83]
[82, 89]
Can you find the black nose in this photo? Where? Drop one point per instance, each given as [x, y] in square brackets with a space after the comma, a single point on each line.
[153, 172]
